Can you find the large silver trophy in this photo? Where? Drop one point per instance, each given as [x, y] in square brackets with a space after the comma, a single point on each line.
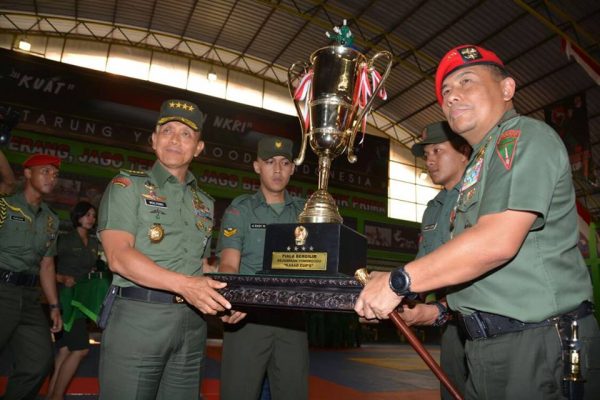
[332, 95]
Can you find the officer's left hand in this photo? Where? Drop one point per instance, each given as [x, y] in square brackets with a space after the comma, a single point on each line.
[201, 292]
[233, 317]
[57, 323]
[377, 300]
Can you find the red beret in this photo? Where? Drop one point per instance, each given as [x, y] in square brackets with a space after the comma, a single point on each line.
[41, 159]
[461, 56]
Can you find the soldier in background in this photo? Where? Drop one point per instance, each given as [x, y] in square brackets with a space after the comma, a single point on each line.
[28, 232]
[270, 341]
[446, 156]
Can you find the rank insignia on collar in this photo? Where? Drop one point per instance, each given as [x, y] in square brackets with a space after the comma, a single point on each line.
[229, 232]
[506, 147]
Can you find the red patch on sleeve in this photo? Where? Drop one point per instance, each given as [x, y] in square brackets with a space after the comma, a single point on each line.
[506, 147]
[233, 211]
[121, 181]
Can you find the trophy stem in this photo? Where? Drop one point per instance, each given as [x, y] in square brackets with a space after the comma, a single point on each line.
[324, 168]
[321, 207]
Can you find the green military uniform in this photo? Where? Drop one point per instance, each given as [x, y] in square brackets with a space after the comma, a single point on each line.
[521, 164]
[74, 259]
[271, 341]
[27, 234]
[435, 231]
[151, 349]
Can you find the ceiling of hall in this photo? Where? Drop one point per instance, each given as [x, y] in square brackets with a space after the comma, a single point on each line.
[265, 37]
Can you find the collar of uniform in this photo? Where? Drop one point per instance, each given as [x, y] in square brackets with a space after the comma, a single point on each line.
[258, 198]
[439, 198]
[508, 115]
[19, 197]
[161, 175]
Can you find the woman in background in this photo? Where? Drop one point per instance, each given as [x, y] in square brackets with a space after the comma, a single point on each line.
[77, 255]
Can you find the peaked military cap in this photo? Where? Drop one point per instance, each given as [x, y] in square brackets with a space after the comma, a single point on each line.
[182, 111]
[437, 132]
[271, 146]
[462, 56]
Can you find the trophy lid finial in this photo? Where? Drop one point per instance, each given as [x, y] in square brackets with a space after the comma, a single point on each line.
[342, 37]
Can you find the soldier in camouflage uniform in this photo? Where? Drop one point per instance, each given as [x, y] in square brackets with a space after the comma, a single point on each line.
[268, 341]
[28, 232]
[155, 228]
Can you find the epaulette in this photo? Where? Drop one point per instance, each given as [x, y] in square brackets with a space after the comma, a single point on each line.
[4, 195]
[240, 199]
[131, 172]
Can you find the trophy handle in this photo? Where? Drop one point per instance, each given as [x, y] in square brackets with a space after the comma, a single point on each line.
[371, 64]
[293, 74]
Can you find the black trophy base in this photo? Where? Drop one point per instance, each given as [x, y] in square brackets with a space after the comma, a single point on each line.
[313, 249]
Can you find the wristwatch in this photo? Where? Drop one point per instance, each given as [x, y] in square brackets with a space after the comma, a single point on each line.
[52, 306]
[443, 316]
[400, 282]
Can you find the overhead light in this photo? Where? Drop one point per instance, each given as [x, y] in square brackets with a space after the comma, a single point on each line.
[212, 75]
[24, 45]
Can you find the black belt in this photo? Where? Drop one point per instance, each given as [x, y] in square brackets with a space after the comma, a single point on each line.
[482, 325]
[149, 295]
[18, 278]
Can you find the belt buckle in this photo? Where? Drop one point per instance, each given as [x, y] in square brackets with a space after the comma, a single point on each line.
[5, 276]
[177, 299]
[475, 326]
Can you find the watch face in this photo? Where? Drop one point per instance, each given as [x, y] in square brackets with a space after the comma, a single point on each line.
[399, 281]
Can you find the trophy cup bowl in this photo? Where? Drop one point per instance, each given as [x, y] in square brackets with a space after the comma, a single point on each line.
[334, 116]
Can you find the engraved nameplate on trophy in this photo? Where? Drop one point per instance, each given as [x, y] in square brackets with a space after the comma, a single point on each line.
[314, 248]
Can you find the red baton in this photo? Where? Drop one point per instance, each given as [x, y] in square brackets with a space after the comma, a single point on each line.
[362, 276]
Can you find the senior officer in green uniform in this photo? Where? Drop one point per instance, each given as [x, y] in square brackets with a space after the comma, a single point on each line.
[28, 232]
[155, 228]
[270, 341]
[514, 250]
[446, 156]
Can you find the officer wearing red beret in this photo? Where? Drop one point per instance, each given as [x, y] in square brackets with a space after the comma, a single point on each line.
[522, 288]
[28, 232]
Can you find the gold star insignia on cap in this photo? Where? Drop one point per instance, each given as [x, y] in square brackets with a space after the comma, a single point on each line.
[172, 105]
[278, 144]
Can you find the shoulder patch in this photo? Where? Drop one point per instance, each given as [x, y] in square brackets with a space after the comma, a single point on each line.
[121, 181]
[131, 172]
[232, 211]
[229, 232]
[506, 147]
